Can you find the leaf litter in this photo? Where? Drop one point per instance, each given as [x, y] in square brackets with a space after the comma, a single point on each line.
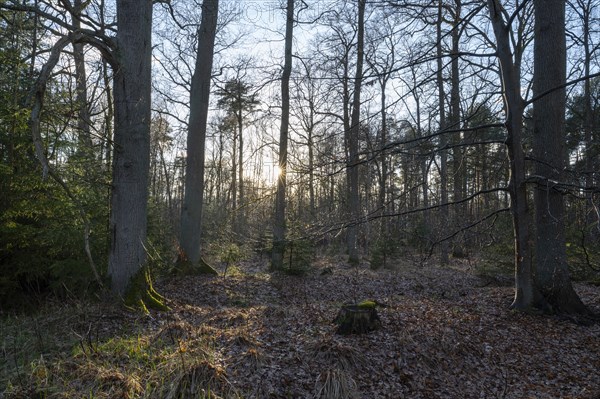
[446, 333]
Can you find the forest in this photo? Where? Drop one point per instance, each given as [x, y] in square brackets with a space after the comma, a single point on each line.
[299, 199]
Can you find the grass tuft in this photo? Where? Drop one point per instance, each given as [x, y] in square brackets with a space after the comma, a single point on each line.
[335, 384]
[200, 380]
[337, 354]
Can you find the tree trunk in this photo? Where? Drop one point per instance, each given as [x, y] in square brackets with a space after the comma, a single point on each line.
[352, 166]
[591, 217]
[239, 227]
[311, 168]
[548, 145]
[384, 167]
[444, 260]
[234, 181]
[84, 138]
[279, 227]
[131, 158]
[527, 296]
[458, 168]
[191, 213]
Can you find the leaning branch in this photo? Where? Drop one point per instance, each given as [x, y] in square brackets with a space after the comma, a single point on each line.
[562, 86]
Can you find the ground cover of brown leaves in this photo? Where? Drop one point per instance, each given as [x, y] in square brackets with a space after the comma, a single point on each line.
[446, 334]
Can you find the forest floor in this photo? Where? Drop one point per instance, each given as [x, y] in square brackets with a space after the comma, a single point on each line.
[446, 333]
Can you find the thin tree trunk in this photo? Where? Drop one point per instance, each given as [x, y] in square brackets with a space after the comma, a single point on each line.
[383, 156]
[168, 183]
[234, 182]
[352, 167]
[84, 137]
[458, 169]
[311, 170]
[444, 256]
[240, 213]
[279, 228]
[191, 213]
[591, 216]
[220, 201]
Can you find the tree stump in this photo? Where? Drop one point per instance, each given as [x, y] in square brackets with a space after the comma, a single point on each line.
[357, 319]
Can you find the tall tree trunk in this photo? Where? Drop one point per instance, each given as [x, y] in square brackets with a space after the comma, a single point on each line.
[352, 166]
[107, 134]
[279, 227]
[311, 168]
[591, 217]
[458, 169]
[191, 212]
[444, 258]
[219, 183]
[234, 182]
[240, 212]
[527, 296]
[132, 89]
[552, 272]
[383, 156]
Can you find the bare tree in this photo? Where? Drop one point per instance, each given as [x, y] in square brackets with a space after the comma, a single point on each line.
[444, 259]
[352, 140]
[191, 212]
[279, 227]
[526, 293]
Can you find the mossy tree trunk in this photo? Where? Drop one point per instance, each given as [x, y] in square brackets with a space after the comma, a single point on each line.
[141, 294]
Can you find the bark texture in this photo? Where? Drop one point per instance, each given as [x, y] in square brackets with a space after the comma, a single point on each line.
[552, 271]
[191, 213]
[128, 223]
[527, 296]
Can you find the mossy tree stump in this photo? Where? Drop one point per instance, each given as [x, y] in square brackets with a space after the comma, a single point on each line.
[357, 318]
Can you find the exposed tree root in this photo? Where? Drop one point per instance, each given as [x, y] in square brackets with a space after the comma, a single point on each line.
[142, 295]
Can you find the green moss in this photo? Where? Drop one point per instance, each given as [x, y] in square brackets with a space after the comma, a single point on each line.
[367, 304]
[142, 295]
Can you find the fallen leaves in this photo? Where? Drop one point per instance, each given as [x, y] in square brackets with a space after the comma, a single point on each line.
[444, 334]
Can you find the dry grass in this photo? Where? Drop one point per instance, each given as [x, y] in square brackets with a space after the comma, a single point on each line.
[337, 354]
[335, 384]
[200, 380]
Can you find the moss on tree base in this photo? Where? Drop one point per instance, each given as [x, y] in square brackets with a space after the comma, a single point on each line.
[142, 295]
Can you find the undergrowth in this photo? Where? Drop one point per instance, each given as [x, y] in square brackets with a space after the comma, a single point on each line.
[68, 352]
